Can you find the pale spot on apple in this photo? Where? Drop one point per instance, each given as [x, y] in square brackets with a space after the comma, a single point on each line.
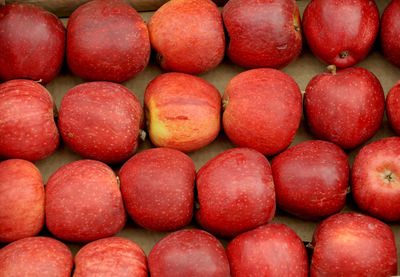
[157, 128]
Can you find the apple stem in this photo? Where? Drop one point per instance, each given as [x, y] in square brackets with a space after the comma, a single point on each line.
[224, 104]
[332, 69]
[197, 205]
[310, 246]
[348, 190]
[39, 81]
[142, 135]
[119, 182]
[343, 54]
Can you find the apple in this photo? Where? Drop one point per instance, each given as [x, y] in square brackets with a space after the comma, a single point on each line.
[107, 40]
[36, 257]
[83, 202]
[235, 192]
[110, 257]
[390, 32]
[188, 36]
[262, 110]
[94, 130]
[193, 253]
[269, 250]
[375, 179]
[393, 107]
[353, 244]
[27, 127]
[311, 179]
[341, 32]
[157, 187]
[182, 111]
[32, 43]
[345, 107]
[21, 200]
[263, 33]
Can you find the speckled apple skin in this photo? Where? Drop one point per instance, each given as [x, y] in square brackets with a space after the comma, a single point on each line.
[390, 32]
[272, 250]
[83, 202]
[194, 253]
[21, 200]
[188, 36]
[110, 257]
[32, 43]
[27, 127]
[347, 108]
[107, 40]
[311, 179]
[157, 187]
[182, 111]
[393, 107]
[372, 193]
[235, 192]
[263, 33]
[334, 26]
[353, 244]
[101, 121]
[263, 110]
[36, 257]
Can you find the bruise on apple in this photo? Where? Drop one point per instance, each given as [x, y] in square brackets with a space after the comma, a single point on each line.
[375, 179]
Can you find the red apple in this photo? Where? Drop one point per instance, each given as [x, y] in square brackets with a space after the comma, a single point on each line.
[107, 40]
[32, 43]
[269, 250]
[188, 36]
[27, 127]
[193, 253]
[263, 33]
[182, 111]
[157, 187]
[311, 179]
[102, 121]
[393, 107]
[235, 192]
[341, 32]
[111, 257]
[21, 200]
[344, 107]
[353, 244]
[83, 202]
[36, 257]
[375, 179]
[390, 32]
[262, 110]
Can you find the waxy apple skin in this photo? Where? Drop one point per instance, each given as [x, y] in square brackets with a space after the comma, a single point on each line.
[236, 192]
[263, 33]
[390, 32]
[353, 244]
[194, 253]
[155, 180]
[375, 179]
[21, 200]
[32, 43]
[188, 36]
[341, 32]
[269, 250]
[113, 256]
[83, 202]
[262, 110]
[101, 120]
[182, 111]
[311, 179]
[393, 107]
[36, 257]
[107, 40]
[27, 127]
[345, 107]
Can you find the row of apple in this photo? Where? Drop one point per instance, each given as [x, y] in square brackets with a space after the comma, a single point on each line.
[109, 41]
[236, 194]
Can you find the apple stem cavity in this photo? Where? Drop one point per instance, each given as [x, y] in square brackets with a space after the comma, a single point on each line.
[142, 135]
[332, 69]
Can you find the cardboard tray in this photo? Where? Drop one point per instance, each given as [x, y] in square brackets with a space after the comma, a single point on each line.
[302, 70]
